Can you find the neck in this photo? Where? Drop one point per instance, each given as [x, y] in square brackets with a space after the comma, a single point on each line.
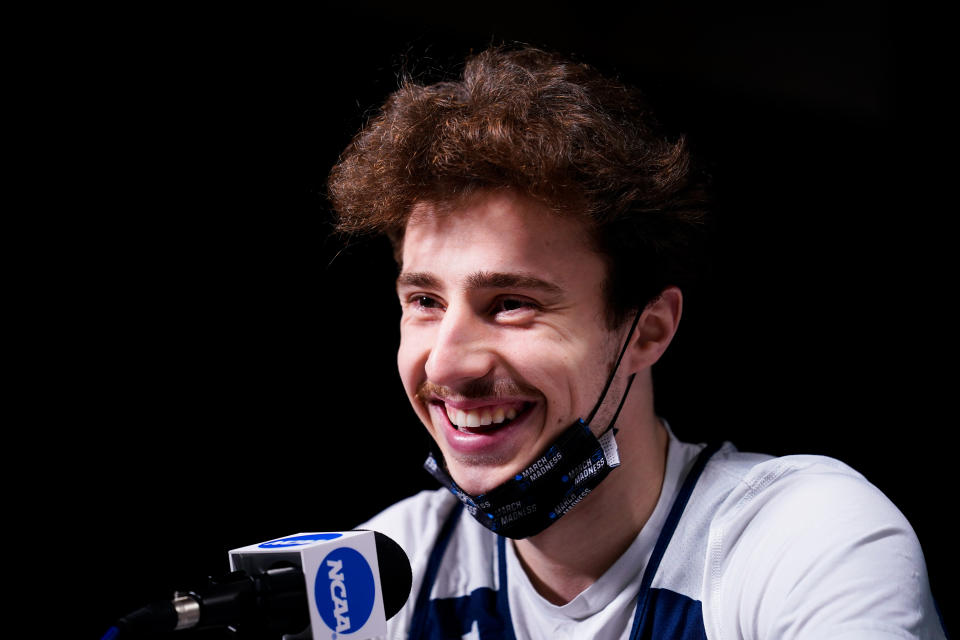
[573, 553]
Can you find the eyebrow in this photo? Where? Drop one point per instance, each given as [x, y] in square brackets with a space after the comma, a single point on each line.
[483, 280]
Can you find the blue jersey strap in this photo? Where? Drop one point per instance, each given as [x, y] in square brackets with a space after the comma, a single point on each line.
[642, 619]
[484, 610]
[419, 622]
[503, 602]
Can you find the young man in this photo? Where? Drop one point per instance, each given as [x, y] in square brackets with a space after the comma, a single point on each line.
[544, 229]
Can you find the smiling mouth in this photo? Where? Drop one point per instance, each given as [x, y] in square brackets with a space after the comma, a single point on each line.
[485, 418]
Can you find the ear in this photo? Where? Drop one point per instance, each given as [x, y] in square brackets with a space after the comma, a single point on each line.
[655, 330]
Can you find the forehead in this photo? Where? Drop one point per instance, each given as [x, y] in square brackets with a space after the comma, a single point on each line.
[499, 231]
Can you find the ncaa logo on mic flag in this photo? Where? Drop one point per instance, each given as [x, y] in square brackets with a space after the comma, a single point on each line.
[298, 541]
[344, 590]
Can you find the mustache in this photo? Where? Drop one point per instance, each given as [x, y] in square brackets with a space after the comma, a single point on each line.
[482, 389]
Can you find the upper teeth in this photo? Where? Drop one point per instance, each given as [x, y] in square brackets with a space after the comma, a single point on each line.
[481, 416]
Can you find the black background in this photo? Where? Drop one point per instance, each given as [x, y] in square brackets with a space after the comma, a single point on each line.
[223, 372]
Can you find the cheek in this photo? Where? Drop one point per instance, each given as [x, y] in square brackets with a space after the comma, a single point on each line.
[411, 357]
[405, 367]
[572, 378]
[548, 365]
[410, 364]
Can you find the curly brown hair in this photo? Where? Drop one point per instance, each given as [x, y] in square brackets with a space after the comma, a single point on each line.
[557, 130]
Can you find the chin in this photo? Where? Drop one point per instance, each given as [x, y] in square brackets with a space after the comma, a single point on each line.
[477, 480]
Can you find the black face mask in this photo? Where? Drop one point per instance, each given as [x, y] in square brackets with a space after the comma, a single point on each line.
[551, 485]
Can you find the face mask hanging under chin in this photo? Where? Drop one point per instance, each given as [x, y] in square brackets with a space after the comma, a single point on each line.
[555, 482]
[542, 493]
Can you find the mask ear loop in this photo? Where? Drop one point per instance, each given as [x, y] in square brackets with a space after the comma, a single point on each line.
[623, 400]
[606, 387]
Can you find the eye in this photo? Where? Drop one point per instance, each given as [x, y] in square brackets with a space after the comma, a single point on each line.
[514, 306]
[421, 301]
[426, 302]
[511, 304]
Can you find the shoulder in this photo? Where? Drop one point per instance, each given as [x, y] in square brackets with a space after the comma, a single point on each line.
[806, 542]
[414, 522]
[804, 493]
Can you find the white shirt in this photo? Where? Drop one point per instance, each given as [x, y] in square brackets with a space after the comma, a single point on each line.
[791, 547]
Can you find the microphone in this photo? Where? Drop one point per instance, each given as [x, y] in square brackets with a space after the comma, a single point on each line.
[342, 582]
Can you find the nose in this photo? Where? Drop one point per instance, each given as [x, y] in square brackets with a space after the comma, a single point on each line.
[462, 349]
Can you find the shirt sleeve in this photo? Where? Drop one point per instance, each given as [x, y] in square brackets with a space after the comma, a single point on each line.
[807, 548]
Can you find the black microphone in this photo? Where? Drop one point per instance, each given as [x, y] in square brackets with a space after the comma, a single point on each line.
[340, 582]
